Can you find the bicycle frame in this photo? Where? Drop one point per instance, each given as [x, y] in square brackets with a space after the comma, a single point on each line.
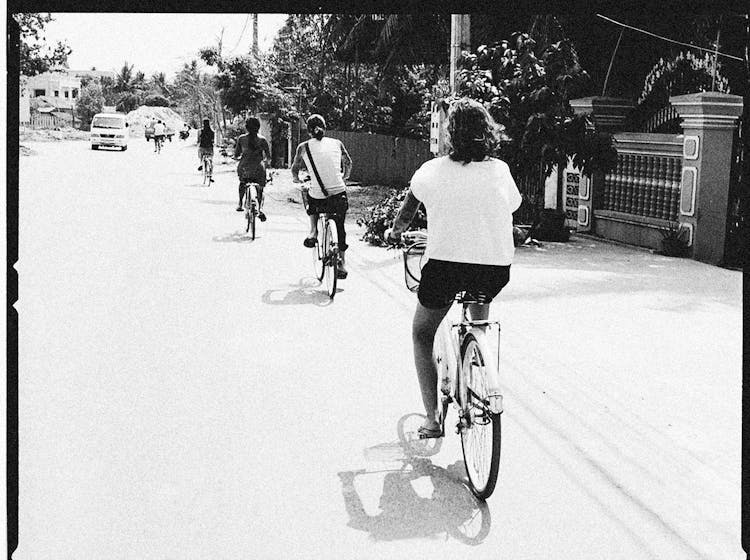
[453, 385]
[251, 197]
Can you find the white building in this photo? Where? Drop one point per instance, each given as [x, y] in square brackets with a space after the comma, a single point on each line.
[64, 86]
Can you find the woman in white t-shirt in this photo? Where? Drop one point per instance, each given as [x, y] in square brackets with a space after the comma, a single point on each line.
[469, 198]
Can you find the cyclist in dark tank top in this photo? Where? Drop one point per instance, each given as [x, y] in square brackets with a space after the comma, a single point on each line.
[254, 154]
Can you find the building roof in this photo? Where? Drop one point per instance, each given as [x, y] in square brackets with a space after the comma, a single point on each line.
[93, 73]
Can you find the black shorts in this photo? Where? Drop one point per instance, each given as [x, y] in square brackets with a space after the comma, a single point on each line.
[442, 280]
[335, 204]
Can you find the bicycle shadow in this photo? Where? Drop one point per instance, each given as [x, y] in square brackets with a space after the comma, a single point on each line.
[235, 237]
[217, 202]
[308, 291]
[418, 500]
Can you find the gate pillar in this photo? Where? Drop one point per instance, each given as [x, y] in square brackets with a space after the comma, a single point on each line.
[708, 123]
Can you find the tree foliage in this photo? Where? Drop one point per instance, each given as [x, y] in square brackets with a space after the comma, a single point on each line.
[156, 100]
[90, 102]
[328, 65]
[528, 94]
[241, 84]
[35, 56]
[194, 94]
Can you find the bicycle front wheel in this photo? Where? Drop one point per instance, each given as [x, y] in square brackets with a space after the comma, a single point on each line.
[481, 433]
[331, 258]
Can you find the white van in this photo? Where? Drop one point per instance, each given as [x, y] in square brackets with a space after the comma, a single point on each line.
[109, 129]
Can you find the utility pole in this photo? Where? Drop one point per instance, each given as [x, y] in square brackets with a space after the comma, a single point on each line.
[255, 34]
[460, 41]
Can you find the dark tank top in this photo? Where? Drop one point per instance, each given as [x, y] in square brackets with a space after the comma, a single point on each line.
[252, 154]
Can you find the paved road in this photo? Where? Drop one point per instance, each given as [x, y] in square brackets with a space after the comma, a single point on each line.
[187, 393]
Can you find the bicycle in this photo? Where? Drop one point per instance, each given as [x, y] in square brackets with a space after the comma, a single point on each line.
[251, 204]
[326, 253]
[207, 165]
[468, 379]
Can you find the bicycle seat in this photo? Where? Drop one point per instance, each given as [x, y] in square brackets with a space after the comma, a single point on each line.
[469, 297]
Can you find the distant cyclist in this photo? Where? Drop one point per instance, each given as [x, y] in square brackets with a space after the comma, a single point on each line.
[159, 131]
[470, 198]
[255, 156]
[205, 144]
[333, 165]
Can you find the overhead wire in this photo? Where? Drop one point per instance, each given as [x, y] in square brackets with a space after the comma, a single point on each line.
[668, 39]
[242, 33]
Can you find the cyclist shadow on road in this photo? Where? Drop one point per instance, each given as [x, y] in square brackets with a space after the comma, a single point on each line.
[234, 237]
[307, 291]
[419, 499]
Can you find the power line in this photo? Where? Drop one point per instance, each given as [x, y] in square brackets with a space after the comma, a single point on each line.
[247, 17]
[669, 40]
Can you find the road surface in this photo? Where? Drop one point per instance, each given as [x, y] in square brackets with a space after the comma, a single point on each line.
[188, 393]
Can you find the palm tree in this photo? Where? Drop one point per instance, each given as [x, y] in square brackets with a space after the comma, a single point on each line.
[124, 79]
[159, 81]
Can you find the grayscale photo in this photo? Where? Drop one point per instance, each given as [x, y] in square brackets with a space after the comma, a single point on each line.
[377, 285]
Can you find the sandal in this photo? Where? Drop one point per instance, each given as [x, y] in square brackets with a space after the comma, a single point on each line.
[426, 433]
[310, 242]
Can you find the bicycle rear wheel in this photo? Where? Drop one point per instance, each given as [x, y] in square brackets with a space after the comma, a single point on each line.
[319, 252]
[205, 171]
[481, 436]
[331, 257]
[253, 215]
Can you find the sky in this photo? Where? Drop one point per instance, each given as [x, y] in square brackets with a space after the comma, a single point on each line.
[154, 42]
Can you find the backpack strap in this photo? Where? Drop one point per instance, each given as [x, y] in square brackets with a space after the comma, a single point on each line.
[315, 169]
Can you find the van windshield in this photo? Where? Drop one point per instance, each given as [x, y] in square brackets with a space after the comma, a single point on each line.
[108, 122]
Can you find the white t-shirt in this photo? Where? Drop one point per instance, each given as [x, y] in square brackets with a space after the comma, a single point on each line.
[159, 129]
[469, 210]
[326, 153]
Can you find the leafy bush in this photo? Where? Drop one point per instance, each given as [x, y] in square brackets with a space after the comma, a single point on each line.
[156, 101]
[90, 102]
[234, 130]
[384, 212]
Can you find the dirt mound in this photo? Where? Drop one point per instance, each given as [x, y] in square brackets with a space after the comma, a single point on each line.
[140, 117]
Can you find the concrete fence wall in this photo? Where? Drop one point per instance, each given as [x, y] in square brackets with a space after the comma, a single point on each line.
[381, 159]
[639, 199]
[663, 181]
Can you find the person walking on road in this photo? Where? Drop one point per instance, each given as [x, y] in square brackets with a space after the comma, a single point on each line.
[470, 198]
[255, 155]
[329, 166]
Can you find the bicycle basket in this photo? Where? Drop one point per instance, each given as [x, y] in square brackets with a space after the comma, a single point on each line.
[413, 263]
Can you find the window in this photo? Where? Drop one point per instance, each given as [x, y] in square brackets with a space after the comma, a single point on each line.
[57, 93]
[108, 122]
[67, 94]
[75, 93]
[40, 92]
